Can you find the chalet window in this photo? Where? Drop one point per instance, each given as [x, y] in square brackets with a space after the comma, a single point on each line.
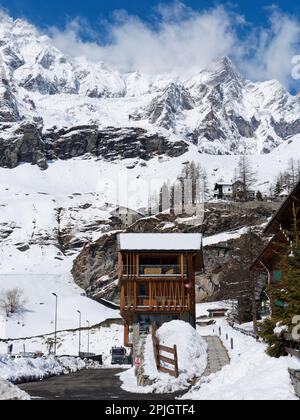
[167, 265]
[277, 276]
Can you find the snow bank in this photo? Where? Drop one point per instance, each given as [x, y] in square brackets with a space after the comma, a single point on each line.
[27, 370]
[192, 359]
[9, 391]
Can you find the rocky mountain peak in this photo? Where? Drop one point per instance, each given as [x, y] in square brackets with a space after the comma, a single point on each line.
[217, 109]
[8, 103]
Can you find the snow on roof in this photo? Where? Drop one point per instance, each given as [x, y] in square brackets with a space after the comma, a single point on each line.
[160, 242]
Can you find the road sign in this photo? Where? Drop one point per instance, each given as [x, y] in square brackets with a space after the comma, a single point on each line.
[137, 362]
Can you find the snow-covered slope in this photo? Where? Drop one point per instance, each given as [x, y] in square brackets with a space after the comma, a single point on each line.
[216, 109]
[93, 129]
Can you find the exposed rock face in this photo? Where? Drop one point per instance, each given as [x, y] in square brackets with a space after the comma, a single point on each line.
[21, 143]
[95, 269]
[164, 109]
[8, 105]
[110, 144]
[96, 264]
[26, 143]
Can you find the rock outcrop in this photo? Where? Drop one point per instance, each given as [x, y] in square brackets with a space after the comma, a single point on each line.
[21, 143]
[25, 142]
[8, 104]
[95, 268]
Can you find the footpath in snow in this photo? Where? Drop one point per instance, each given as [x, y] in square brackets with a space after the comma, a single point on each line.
[246, 373]
[251, 374]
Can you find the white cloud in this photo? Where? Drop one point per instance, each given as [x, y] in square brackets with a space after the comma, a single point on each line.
[181, 39]
[273, 49]
[185, 40]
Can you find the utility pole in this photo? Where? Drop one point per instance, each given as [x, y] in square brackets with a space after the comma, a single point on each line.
[55, 323]
[88, 347]
[79, 333]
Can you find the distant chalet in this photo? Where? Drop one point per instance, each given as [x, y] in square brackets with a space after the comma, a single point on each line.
[233, 191]
[123, 217]
[157, 278]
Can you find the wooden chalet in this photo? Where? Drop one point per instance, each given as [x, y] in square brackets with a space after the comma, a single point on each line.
[269, 260]
[157, 278]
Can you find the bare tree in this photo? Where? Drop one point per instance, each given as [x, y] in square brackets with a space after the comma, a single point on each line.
[245, 174]
[12, 301]
[239, 283]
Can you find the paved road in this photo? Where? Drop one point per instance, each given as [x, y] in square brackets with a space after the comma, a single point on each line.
[103, 384]
[100, 384]
[217, 355]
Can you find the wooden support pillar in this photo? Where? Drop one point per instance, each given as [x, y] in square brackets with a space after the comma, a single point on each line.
[182, 265]
[120, 266]
[126, 334]
[122, 298]
[192, 291]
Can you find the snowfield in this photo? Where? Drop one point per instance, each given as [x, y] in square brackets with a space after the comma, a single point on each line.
[192, 360]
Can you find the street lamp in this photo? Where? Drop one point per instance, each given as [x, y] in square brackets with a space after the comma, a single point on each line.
[79, 332]
[89, 325]
[55, 322]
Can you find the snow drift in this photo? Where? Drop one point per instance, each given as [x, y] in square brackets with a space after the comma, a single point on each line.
[192, 360]
[29, 370]
[10, 392]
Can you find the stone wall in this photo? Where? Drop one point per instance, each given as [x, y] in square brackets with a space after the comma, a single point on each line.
[295, 377]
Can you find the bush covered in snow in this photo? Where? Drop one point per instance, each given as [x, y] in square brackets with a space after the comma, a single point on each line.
[192, 359]
[26, 369]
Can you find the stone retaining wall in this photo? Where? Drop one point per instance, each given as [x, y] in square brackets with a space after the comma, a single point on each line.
[295, 376]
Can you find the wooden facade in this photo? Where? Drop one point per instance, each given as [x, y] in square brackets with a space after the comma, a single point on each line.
[269, 260]
[157, 285]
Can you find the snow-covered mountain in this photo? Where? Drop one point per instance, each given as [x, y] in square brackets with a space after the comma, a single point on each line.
[216, 109]
[88, 127]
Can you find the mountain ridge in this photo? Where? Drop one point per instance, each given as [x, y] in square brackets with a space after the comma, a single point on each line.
[216, 109]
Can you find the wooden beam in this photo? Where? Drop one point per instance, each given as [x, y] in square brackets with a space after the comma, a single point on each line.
[166, 349]
[167, 360]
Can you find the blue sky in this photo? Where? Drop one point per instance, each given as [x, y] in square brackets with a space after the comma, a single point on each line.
[261, 37]
[56, 12]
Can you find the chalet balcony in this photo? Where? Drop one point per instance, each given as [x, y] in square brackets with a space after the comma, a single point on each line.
[150, 271]
[171, 296]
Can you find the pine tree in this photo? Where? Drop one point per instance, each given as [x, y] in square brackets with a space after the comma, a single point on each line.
[289, 294]
[259, 196]
[278, 189]
[286, 300]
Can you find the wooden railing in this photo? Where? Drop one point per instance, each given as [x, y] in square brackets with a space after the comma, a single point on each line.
[171, 296]
[159, 358]
[292, 346]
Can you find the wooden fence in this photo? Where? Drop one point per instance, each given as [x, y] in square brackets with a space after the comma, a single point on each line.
[159, 358]
[292, 346]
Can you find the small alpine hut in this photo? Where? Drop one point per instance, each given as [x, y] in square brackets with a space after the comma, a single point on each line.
[269, 260]
[157, 278]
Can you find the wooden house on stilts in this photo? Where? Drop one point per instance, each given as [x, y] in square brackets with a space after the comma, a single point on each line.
[157, 278]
